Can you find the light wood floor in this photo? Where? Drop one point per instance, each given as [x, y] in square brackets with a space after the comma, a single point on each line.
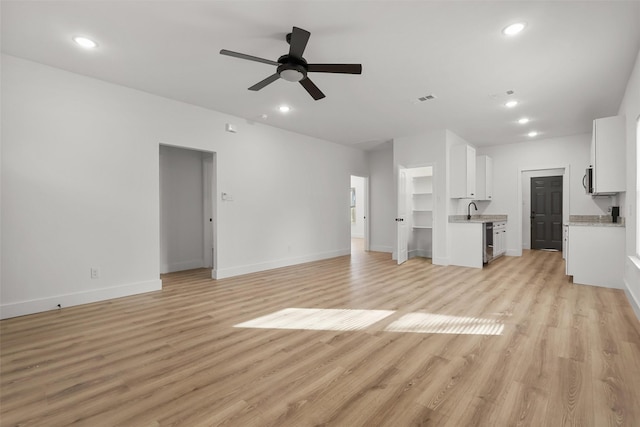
[566, 354]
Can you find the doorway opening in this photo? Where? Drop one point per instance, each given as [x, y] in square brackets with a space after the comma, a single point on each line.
[359, 213]
[546, 213]
[187, 206]
[544, 201]
[415, 213]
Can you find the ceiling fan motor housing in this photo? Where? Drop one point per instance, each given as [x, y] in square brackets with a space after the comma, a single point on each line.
[291, 68]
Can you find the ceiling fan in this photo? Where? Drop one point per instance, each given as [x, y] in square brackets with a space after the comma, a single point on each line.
[294, 68]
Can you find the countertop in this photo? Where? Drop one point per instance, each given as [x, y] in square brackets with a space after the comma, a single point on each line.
[594, 221]
[477, 219]
[595, 224]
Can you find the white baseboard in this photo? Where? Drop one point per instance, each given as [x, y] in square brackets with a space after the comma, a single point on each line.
[379, 248]
[440, 261]
[270, 265]
[514, 252]
[632, 275]
[419, 253]
[635, 304]
[23, 308]
[181, 266]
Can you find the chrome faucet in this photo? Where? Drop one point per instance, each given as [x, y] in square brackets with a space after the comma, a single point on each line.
[469, 209]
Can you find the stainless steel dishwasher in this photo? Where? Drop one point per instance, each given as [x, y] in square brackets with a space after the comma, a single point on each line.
[487, 242]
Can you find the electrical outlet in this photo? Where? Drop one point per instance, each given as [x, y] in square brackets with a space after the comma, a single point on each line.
[95, 273]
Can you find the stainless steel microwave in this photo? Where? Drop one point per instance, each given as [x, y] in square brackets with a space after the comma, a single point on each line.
[587, 180]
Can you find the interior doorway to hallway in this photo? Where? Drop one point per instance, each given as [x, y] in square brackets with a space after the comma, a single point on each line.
[358, 213]
[187, 206]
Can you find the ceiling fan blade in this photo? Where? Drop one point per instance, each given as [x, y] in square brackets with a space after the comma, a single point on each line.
[335, 68]
[272, 78]
[312, 88]
[249, 57]
[298, 42]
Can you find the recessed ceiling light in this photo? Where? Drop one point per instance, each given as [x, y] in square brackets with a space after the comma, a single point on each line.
[284, 108]
[514, 29]
[523, 120]
[532, 134]
[511, 104]
[85, 42]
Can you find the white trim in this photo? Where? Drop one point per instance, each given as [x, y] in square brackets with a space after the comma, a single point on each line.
[635, 304]
[68, 300]
[566, 199]
[367, 214]
[270, 265]
[632, 272]
[366, 235]
[423, 253]
[387, 249]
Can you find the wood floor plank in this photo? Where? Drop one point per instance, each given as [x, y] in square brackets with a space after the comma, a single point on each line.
[515, 343]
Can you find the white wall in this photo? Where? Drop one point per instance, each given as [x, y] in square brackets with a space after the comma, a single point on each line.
[509, 162]
[80, 188]
[630, 107]
[181, 209]
[357, 228]
[382, 202]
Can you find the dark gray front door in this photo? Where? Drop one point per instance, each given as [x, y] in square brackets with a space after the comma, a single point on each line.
[546, 212]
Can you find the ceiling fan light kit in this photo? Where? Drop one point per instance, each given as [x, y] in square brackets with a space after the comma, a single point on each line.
[294, 68]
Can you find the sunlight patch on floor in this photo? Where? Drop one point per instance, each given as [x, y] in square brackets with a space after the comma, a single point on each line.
[318, 319]
[429, 323]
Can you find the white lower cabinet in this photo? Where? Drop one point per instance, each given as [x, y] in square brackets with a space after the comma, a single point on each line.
[595, 255]
[499, 239]
[466, 244]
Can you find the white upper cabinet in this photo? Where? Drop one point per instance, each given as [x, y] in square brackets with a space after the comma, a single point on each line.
[462, 177]
[608, 155]
[484, 178]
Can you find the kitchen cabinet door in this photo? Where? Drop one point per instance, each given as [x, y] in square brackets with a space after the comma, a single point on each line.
[466, 244]
[596, 255]
[608, 155]
[484, 178]
[462, 177]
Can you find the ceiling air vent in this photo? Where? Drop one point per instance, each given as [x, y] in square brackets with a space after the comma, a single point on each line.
[426, 98]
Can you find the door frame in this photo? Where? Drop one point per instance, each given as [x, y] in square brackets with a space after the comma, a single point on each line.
[529, 209]
[209, 208]
[521, 222]
[210, 185]
[526, 201]
[401, 217]
[435, 216]
[366, 210]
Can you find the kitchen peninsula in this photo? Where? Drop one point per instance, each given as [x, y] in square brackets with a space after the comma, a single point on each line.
[477, 240]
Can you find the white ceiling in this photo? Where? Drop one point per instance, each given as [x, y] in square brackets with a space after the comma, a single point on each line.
[569, 66]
